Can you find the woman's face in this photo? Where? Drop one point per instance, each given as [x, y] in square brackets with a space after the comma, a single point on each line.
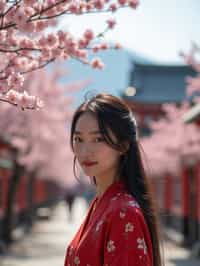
[94, 155]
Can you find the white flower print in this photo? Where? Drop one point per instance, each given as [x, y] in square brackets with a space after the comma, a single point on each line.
[133, 203]
[122, 214]
[114, 198]
[110, 246]
[128, 196]
[70, 250]
[142, 244]
[129, 227]
[99, 224]
[76, 260]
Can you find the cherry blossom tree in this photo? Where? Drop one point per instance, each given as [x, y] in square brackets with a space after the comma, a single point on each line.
[28, 41]
[40, 139]
[193, 83]
[174, 143]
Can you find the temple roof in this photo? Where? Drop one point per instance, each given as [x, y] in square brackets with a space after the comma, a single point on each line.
[158, 83]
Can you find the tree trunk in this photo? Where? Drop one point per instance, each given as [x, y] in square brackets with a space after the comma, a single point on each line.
[31, 215]
[8, 221]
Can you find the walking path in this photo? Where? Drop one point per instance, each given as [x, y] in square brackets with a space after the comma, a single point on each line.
[47, 243]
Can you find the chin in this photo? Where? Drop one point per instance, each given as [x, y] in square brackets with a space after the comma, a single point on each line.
[89, 172]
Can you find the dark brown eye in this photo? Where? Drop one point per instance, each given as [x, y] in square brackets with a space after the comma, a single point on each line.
[100, 139]
[77, 139]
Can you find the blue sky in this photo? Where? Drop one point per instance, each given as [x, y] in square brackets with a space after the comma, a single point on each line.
[158, 29]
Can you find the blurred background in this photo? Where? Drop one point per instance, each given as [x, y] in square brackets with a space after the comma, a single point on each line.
[157, 73]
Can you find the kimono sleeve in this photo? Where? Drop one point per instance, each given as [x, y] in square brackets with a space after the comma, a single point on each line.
[127, 241]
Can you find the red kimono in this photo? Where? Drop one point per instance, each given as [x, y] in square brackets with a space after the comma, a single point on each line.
[113, 234]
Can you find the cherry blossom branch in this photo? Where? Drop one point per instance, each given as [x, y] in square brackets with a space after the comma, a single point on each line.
[25, 46]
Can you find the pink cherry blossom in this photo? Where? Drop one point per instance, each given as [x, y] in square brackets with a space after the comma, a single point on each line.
[104, 46]
[40, 26]
[46, 53]
[82, 43]
[113, 7]
[73, 8]
[88, 6]
[57, 52]
[20, 17]
[62, 36]
[96, 48]
[133, 3]
[97, 63]
[81, 54]
[29, 11]
[99, 4]
[21, 63]
[15, 80]
[3, 87]
[26, 43]
[111, 23]
[12, 96]
[122, 2]
[52, 40]
[24, 100]
[30, 2]
[2, 5]
[31, 41]
[42, 42]
[118, 46]
[28, 27]
[89, 35]
[3, 34]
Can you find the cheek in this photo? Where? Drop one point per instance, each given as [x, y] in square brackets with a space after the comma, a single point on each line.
[108, 156]
[101, 152]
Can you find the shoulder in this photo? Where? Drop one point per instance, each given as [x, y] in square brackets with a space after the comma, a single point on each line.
[127, 222]
[123, 206]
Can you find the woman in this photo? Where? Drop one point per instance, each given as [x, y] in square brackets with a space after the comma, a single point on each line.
[120, 228]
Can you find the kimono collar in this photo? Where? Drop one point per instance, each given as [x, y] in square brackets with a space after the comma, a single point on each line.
[117, 186]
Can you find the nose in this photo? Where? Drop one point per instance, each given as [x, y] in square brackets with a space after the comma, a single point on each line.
[86, 151]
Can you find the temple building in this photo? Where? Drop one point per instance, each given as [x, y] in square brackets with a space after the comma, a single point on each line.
[151, 85]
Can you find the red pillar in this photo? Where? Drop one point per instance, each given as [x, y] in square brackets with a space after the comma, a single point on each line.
[185, 193]
[168, 196]
[198, 192]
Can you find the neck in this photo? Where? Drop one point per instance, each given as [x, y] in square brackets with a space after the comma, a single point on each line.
[103, 184]
[101, 187]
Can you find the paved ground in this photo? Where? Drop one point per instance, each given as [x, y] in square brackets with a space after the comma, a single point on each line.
[47, 243]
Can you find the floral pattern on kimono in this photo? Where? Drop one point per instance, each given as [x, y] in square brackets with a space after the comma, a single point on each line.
[113, 234]
[127, 238]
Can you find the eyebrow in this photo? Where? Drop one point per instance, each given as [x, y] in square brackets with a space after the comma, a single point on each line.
[91, 132]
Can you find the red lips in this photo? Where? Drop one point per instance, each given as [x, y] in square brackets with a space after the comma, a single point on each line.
[89, 163]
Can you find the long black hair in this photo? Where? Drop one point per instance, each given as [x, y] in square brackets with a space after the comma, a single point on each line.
[114, 114]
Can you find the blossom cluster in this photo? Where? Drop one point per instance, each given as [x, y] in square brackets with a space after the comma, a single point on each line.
[174, 143]
[26, 45]
[23, 100]
[35, 135]
[193, 83]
